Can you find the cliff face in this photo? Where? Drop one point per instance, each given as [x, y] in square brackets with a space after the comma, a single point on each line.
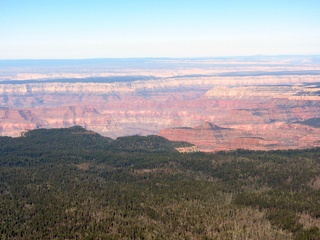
[291, 92]
[258, 137]
[258, 115]
[255, 117]
[19, 88]
[109, 114]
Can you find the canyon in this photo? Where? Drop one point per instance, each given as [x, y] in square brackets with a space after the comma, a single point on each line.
[215, 104]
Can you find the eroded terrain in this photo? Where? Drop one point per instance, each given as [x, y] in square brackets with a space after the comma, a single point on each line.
[254, 104]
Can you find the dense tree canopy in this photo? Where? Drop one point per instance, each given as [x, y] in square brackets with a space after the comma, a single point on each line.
[75, 184]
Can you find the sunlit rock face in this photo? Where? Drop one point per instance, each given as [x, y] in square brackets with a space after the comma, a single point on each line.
[256, 117]
[259, 137]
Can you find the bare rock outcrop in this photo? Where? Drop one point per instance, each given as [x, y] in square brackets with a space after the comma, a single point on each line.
[256, 116]
[261, 137]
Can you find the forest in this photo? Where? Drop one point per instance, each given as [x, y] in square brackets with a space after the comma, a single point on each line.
[73, 183]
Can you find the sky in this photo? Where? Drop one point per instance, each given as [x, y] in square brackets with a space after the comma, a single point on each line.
[76, 29]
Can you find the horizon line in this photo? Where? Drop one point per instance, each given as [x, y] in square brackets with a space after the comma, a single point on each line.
[123, 58]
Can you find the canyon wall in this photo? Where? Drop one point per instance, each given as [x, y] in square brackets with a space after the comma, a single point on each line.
[145, 86]
[263, 110]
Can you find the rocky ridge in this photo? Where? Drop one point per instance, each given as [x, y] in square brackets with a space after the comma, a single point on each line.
[257, 111]
[256, 117]
[261, 137]
[142, 86]
[114, 114]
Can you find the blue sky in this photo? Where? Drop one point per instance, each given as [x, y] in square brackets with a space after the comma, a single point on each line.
[46, 29]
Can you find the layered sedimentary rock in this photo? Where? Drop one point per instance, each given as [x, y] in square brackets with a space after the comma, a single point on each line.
[289, 92]
[252, 103]
[149, 86]
[257, 117]
[259, 137]
[131, 110]
[109, 114]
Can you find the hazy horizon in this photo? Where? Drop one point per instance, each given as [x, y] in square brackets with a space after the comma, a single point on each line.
[157, 29]
[222, 57]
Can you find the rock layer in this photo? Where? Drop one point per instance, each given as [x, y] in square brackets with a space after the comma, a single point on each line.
[260, 137]
[259, 116]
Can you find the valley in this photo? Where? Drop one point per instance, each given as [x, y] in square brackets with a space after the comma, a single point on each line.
[260, 103]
